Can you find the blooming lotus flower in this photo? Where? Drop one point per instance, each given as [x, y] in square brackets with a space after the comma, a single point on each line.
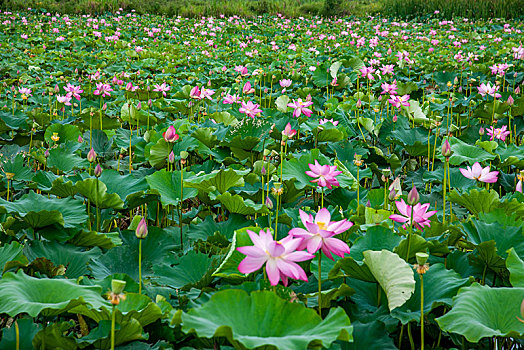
[319, 234]
[285, 83]
[195, 93]
[130, 87]
[484, 89]
[247, 89]
[163, 88]
[206, 93]
[250, 109]
[64, 99]
[26, 92]
[325, 120]
[170, 134]
[301, 107]
[230, 99]
[420, 214]
[103, 89]
[389, 88]
[325, 174]
[73, 91]
[499, 133]
[280, 257]
[480, 174]
[288, 131]
[398, 101]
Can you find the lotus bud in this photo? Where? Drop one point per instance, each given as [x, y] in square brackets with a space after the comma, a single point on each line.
[413, 196]
[80, 139]
[517, 90]
[57, 88]
[141, 229]
[446, 149]
[481, 131]
[149, 103]
[117, 286]
[395, 118]
[392, 195]
[139, 105]
[104, 107]
[98, 170]
[170, 134]
[368, 204]
[263, 171]
[511, 101]
[171, 157]
[359, 103]
[91, 155]
[269, 203]
[46, 153]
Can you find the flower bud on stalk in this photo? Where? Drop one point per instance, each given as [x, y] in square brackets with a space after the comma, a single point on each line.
[413, 196]
[171, 157]
[141, 229]
[91, 155]
[98, 170]
[446, 149]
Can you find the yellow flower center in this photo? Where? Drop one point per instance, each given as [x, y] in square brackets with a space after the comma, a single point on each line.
[322, 225]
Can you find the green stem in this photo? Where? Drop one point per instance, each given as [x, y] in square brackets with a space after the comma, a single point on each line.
[180, 214]
[421, 312]
[17, 332]
[400, 336]
[322, 200]
[444, 192]
[97, 209]
[113, 328]
[411, 342]
[320, 283]
[358, 189]
[140, 266]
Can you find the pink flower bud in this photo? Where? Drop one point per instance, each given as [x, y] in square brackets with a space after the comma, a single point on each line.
[446, 148]
[481, 131]
[141, 229]
[80, 139]
[170, 134]
[171, 157]
[269, 203]
[98, 170]
[91, 155]
[395, 118]
[511, 101]
[413, 196]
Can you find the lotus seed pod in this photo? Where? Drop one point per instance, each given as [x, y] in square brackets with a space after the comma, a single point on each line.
[422, 258]
[117, 286]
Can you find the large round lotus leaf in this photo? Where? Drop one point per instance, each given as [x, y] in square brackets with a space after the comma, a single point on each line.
[40, 211]
[480, 311]
[219, 180]
[66, 132]
[24, 294]
[440, 286]
[168, 185]
[96, 191]
[393, 274]
[264, 319]
[515, 266]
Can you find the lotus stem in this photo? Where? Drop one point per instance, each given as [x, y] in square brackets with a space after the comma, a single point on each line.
[444, 189]
[358, 189]
[421, 311]
[411, 342]
[400, 336]
[17, 332]
[113, 327]
[8, 185]
[139, 267]
[181, 201]
[320, 284]
[97, 209]
[322, 199]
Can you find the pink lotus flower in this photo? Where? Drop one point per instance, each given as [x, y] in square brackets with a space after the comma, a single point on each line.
[480, 174]
[247, 89]
[206, 93]
[280, 257]
[484, 89]
[319, 234]
[163, 88]
[389, 88]
[250, 109]
[518, 188]
[325, 174]
[288, 131]
[73, 91]
[499, 133]
[325, 120]
[398, 101]
[301, 107]
[103, 89]
[420, 214]
[64, 99]
[230, 99]
[195, 93]
[170, 134]
[285, 83]
[25, 91]
[130, 87]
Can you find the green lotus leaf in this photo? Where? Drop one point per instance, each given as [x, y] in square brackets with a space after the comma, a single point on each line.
[218, 180]
[168, 185]
[62, 187]
[376, 238]
[96, 191]
[369, 336]
[159, 152]
[49, 297]
[66, 132]
[27, 330]
[466, 153]
[414, 141]
[193, 270]
[123, 185]
[229, 267]
[263, 319]
[394, 275]
[480, 311]
[206, 136]
[476, 201]
[64, 160]
[440, 286]
[74, 259]
[281, 103]
[40, 211]
[237, 204]
[104, 240]
[9, 253]
[416, 244]
[54, 337]
[17, 167]
[515, 266]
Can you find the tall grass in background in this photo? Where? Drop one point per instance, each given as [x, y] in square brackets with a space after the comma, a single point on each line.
[451, 8]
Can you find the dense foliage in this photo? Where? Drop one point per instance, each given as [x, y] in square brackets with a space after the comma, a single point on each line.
[260, 183]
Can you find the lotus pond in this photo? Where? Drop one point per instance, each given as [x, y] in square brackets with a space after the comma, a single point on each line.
[220, 183]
